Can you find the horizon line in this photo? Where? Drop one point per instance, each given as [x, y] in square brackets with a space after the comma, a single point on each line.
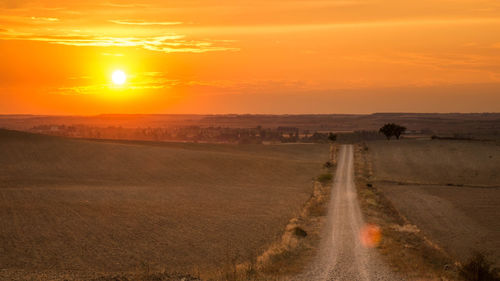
[239, 114]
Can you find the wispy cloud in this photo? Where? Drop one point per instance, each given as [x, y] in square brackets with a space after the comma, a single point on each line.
[445, 62]
[139, 81]
[160, 80]
[146, 23]
[327, 26]
[172, 43]
[46, 29]
[183, 46]
[45, 19]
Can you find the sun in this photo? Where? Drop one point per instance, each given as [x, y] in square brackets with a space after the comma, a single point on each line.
[118, 77]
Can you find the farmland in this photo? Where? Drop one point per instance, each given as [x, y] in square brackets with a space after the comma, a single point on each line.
[77, 207]
[449, 189]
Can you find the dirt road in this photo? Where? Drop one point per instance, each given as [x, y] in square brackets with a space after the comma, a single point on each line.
[342, 256]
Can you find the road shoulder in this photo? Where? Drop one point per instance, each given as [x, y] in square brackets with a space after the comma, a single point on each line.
[403, 245]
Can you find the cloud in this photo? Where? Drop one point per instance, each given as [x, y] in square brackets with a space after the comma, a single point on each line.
[171, 43]
[24, 21]
[131, 22]
[445, 62]
[327, 26]
[160, 80]
[187, 46]
[80, 90]
[45, 19]
[139, 81]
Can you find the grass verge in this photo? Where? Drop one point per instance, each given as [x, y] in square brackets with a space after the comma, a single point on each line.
[297, 246]
[479, 268]
[404, 247]
[293, 250]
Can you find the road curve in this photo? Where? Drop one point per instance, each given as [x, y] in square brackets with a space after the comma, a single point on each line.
[342, 256]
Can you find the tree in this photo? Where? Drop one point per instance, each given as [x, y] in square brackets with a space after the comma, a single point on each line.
[391, 129]
[387, 130]
[332, 137]
[398, 130]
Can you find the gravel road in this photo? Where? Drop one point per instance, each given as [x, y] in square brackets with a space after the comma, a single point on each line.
[342, 255]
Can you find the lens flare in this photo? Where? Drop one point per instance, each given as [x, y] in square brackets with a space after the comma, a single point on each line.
[370, 235]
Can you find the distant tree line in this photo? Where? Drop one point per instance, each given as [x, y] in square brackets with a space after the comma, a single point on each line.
[255, 135]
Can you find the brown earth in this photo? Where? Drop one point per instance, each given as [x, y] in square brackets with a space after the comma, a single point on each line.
[450, 190]
[436, 162]
[80, 208]
[459, 219]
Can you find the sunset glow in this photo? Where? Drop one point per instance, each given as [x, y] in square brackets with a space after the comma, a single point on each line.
[119, 77]
[241, 57]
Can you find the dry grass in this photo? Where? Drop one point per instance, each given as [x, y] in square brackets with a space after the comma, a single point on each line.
[73, 209]
[479, 268]
[404, 247]
[458, 219]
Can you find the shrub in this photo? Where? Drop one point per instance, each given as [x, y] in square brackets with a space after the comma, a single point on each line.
[299, 232]
[324, 178]
[478, 268]
[332, 137]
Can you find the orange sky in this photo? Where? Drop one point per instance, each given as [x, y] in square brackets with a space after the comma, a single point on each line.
[255, 56]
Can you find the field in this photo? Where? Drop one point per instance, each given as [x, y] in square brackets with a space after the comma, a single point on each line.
[78, 207]
[476, 125]
[449, 189]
